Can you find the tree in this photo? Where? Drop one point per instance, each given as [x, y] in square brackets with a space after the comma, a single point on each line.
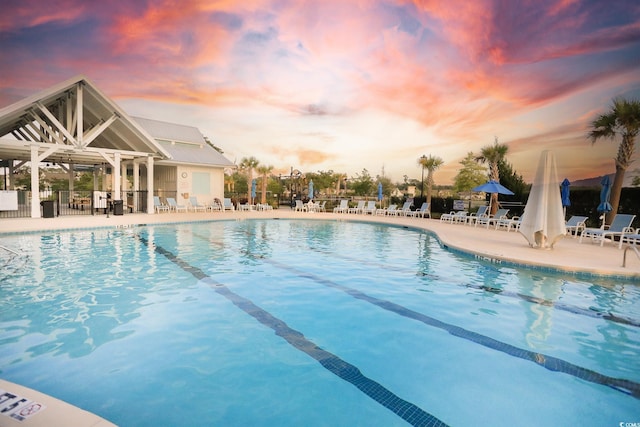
[624, 120]
[431, 164]
[493, 154]
[362, 185]
[470, 176]
[248, 164]
[512, 180]
[264, 171]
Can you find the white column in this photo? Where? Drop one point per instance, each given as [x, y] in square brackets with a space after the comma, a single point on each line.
[116, 178]
[35, 183]
[150, 209]
[136, 184]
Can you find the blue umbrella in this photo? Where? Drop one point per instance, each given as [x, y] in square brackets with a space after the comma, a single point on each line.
[311, 190]
[493, 187]
[253, 189]
[605, 192]
[379, 191]
[564, 193]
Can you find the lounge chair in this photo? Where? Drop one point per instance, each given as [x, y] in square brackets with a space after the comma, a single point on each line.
[575, 225]
[174, 206]
[387, 211]
[342, 207]
[195, 206]
[215, 205]
[370, 208]
[491, 220]
[630, 237]
[507, 223]
[358, 209]
[455, 217]
[300, 207]
[406, 208]
[480, 214]
[621, 224]
[159, 206]
[228, 205]
[424, 210]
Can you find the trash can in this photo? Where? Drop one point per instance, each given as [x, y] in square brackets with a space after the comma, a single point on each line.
[118, 207]
[47, 208]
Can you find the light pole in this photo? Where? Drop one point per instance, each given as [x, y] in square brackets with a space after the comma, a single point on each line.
[423, 159]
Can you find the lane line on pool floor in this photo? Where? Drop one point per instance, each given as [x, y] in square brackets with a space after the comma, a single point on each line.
[502, 292]
[409, 412]
[551, 363]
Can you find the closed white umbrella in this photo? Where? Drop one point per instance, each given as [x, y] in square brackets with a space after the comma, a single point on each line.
[543, 219]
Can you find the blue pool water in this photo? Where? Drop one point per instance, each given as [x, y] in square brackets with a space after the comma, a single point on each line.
[314, 323]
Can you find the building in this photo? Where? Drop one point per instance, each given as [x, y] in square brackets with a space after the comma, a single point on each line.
[75, 126]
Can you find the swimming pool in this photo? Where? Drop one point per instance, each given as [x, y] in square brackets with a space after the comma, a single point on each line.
[315, 323]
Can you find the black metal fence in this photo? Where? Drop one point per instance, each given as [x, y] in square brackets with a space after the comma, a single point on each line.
[67, 203]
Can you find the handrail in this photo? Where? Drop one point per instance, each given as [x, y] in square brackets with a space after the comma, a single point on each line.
[624, 255]
[10, 250]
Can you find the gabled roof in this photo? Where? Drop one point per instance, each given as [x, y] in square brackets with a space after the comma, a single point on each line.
[38, 118]
[185, 144]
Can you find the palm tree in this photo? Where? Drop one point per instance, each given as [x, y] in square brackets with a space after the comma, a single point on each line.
[493, 154]
[431, 164]
[264, 170]
[248, 164]
[623, 119]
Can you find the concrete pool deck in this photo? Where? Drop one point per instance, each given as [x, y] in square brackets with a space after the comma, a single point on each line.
[497, 245]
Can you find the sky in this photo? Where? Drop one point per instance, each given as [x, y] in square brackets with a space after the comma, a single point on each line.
[346, 85]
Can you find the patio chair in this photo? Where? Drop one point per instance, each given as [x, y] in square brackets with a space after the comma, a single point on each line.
[370, 208]
[195, 206]
[358, 209]
[174, 206]
[159, 206]
[300, 207]
[406, 208]
[491, 220]
[387, 211]
[481, 213]
[228, 205]
[630, 237]
[455, 217]
[507, 223]
[424, 210]
[342, 207]
[575, 225]
[215, 205]
[621, 224]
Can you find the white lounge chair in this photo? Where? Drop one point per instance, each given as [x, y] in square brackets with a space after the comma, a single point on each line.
[159, 206]
[174, 206]
[228, 205]
[630, 237]
[576, 224]
[195, 206]
[455, 217]
[424, 210]
[370, 208]
[358, 209]
[492, 220]
[342, 207]
[480, 214]
[215, 205]
[387, 211]
[406, 208]
[300, 207]
[621, 224]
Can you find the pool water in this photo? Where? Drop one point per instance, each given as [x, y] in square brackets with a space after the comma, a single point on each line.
[314, 323]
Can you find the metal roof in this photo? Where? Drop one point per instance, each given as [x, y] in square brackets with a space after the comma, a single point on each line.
[184, 143]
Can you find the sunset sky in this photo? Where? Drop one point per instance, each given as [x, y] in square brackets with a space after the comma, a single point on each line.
[345, 85]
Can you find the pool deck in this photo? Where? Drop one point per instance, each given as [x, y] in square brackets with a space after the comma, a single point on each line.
[494, 245]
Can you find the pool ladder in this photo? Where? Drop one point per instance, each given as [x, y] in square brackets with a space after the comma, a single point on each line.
[624, 255]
